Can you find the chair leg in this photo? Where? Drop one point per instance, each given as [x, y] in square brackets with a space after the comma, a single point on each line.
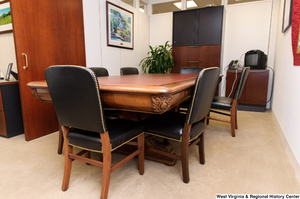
[60, 141]
[207, 120]
[233, 118]
[232, 122]
[201, 149]
[141, 156]
[88, 154]
[184, 155]
[68, 161]
[106, 164]
[236, 127]
[68, 167]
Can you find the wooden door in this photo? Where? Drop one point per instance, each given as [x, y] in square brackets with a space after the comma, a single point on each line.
[47, 32]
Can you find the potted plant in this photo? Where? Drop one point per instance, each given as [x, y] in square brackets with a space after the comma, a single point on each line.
[160, 59]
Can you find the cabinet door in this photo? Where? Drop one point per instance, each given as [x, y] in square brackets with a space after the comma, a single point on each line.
[184, 28]
[49, 32]
[210, 22]
[3, 131]
[196, 56]
[257, 87]
[255, 90]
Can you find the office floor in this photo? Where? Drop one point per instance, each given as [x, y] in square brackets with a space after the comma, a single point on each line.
[254, 162]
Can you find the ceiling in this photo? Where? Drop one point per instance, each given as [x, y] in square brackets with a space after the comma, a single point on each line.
[170, 7]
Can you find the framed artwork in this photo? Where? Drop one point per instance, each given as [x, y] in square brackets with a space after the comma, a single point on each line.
[5, 17]
[7, 76]
[119, 26]
[287, 15]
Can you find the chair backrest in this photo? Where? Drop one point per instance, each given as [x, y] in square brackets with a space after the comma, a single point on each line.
[205, 87]
[241, 83]
[190, 70]
[129, 71]
[99, 71]
[76, 97]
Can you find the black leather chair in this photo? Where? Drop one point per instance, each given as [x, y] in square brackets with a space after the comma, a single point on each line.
[76, 98]
[183, 107]
[100, 71]
[190, 70]
[129, 71]
[230, 104]
[187, 128]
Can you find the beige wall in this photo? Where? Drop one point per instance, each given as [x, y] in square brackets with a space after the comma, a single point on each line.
[286, 106]
[7, 53]
[112, 58]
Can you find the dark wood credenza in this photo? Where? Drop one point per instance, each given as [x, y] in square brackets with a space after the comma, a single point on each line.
[254, 95]
[11, 122]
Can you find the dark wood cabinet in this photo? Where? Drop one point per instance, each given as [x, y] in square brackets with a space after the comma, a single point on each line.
[254, 95]
[11, 123]
[210, 26]
[198, 27]
[184, 28]
[197, 38]
[196, 56]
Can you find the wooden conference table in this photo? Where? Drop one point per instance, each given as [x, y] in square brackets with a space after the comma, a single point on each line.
[137, 96]
[144, 93]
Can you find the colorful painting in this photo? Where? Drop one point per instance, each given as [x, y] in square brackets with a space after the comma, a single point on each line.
[5, 17]
[119, 27]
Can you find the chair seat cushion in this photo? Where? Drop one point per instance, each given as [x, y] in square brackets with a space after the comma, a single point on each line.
[170, 125]
[223, 103]
[120, 131]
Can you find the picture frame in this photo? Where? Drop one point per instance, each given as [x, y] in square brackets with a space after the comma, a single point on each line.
[120, 28]
[5, 17]
[7, 76]
[287, 15]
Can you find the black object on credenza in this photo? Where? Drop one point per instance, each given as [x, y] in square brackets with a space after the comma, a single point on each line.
[256, 59]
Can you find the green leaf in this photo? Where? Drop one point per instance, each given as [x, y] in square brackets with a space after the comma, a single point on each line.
[159, 59]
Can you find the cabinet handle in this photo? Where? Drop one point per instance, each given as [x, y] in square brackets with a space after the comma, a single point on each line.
[26, 61]
[193, 46]
[194, 61]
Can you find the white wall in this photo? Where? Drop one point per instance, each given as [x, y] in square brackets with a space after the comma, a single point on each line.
[161, 29]
[7, 53]
[247, 27]
[286, 105]
[112, 58]
[244, 30]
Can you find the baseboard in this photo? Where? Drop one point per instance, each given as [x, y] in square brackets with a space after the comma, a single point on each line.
[294, 161]
[255, 108]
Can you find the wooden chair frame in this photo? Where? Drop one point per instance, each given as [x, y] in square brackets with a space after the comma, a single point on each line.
[105, 164]
[233, 117]
[186, 144]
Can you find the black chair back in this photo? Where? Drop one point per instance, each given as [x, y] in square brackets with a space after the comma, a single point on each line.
[129, 71]
[190, 70]
[76, 97]
[99, 71]
[241, 83]
[205, 87]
